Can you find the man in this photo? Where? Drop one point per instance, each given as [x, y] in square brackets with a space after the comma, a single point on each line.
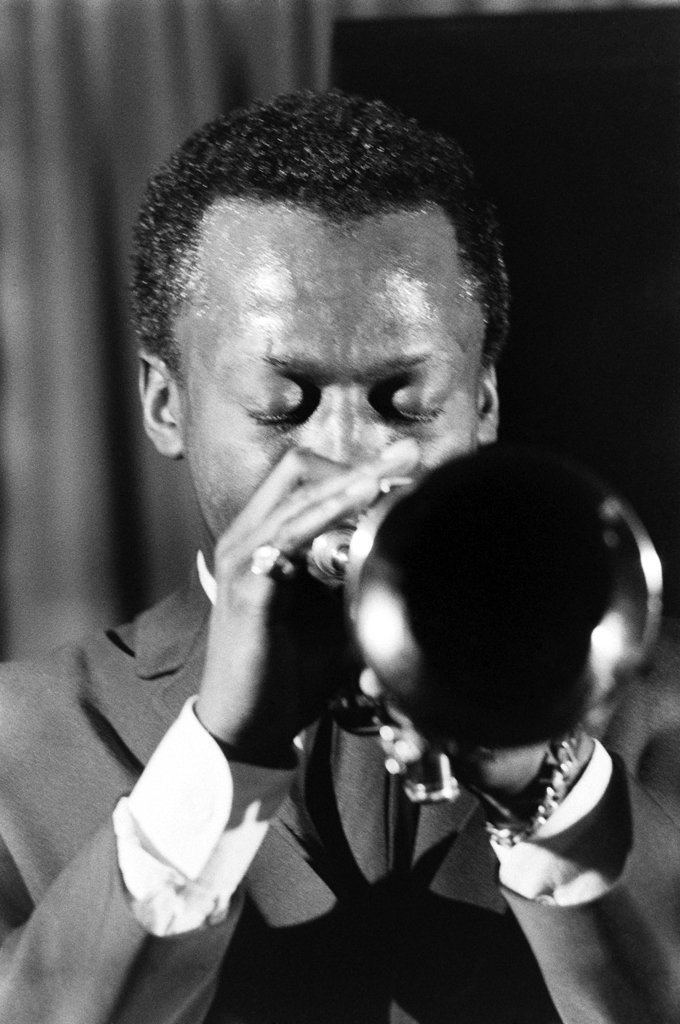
[320, 298]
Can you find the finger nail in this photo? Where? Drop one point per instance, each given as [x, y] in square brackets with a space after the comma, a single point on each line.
[361, 487]
[404, 453]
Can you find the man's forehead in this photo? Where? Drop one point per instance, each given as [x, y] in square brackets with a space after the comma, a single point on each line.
[283, 284]
[277, 249]
[240, 221]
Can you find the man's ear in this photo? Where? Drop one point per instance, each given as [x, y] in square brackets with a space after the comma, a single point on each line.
[162, 405]
[487, 406]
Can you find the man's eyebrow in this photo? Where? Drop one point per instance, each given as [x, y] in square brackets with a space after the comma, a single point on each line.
[311, 368]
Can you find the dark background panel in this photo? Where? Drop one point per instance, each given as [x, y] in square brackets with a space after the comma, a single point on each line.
[573, 122]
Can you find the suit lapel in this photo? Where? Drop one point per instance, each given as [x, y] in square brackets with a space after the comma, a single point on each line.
[141, 674]
[452, 851]
[362, 794]
[335, 811]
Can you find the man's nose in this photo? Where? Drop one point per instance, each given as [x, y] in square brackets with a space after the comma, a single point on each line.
[344, 428]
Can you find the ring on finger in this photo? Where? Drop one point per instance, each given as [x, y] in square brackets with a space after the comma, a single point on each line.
[268, 560]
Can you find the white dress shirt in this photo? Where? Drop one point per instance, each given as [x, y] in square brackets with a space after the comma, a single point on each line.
[189, 830]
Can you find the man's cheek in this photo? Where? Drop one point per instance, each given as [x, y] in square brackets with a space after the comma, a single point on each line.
[227, 476]
[456, 437]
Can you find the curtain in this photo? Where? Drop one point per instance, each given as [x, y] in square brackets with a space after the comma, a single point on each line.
[95, 93]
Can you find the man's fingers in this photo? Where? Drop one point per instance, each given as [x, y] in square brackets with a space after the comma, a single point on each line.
[297, 468]
[296, 531]
[303, 470]
[294, 525]
[305, 495]
[318, 507]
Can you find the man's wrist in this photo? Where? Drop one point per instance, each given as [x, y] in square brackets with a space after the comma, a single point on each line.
[252, 743]
[260, 754]
[516, 818]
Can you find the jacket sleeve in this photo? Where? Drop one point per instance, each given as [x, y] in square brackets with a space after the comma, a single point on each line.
[82, 958]
[616, 960]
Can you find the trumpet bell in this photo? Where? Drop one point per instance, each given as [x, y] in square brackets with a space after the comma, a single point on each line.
[501, 599]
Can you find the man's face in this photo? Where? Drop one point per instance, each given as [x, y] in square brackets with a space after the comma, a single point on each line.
[335, 339]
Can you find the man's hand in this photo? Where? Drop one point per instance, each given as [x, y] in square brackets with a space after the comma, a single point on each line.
[502, 773]
[506, 774]
[275, 648]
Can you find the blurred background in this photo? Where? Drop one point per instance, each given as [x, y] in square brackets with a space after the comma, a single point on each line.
[95, 93]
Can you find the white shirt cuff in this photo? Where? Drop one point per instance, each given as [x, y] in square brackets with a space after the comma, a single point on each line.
[190, 828]
[559, 864]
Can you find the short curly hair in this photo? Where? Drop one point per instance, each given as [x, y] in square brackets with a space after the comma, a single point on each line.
[342, 156]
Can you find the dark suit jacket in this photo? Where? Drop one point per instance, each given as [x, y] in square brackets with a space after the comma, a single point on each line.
[336, 925]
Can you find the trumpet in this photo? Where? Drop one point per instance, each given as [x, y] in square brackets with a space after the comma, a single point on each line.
[500, 600]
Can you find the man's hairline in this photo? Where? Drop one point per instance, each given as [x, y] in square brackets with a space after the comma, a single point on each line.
[187, 264]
